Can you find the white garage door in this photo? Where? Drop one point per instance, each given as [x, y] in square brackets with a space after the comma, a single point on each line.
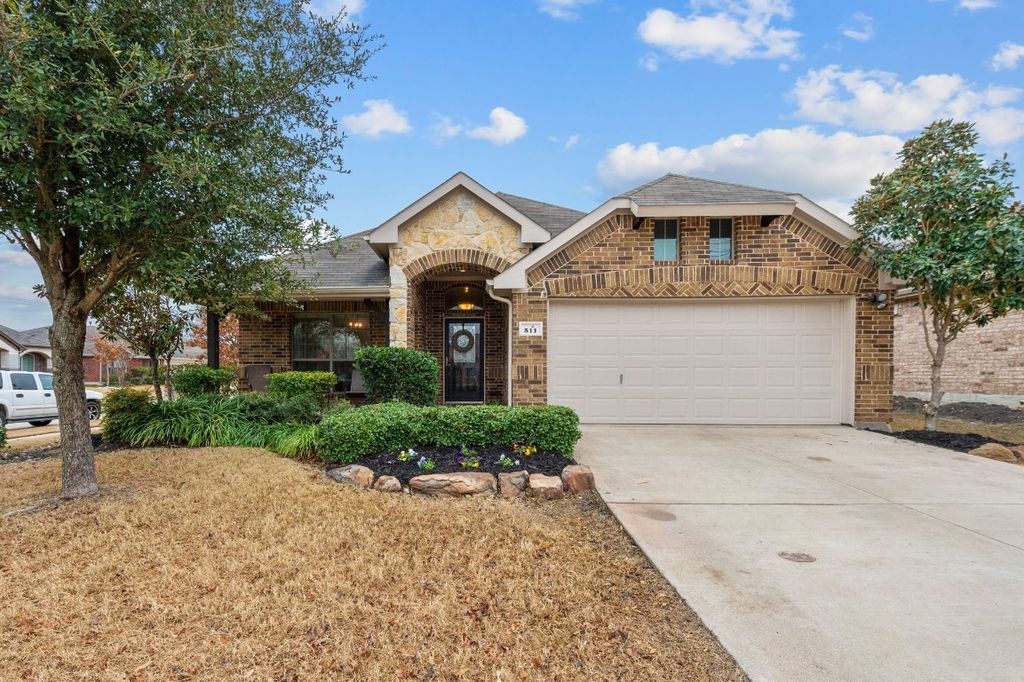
[775, 361]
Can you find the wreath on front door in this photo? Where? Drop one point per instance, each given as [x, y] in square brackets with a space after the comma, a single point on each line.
[463, 341]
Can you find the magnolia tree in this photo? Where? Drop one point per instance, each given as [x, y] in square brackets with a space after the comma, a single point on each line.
[149, 322]
[946, 222]
[161, 136]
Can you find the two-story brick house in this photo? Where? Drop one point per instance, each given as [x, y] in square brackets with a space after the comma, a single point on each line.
[681, 301]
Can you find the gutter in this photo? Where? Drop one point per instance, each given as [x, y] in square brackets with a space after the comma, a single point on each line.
[508, 341]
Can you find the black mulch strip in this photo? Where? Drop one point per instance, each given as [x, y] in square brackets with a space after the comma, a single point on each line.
[961, 442]
[49, 451]
[447, 460]
[975, 412]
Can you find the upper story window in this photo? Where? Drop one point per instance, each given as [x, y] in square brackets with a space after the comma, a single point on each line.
[666, 240]
[720, 242]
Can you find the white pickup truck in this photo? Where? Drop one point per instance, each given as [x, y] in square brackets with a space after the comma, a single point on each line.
[28, 397]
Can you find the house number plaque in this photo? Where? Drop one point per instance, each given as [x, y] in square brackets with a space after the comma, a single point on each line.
[531, 329]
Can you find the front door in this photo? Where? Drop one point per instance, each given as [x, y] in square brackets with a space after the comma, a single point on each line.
[464, 361]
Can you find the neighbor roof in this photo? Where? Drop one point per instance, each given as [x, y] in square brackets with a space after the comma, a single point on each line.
[672, 189]
[36, 337]
[552, 218]
[348, 263]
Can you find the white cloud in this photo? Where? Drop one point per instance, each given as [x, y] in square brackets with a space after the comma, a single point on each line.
[445, 128]
[977, 4]
[650, 62]
[14, 293]
[1007, 56]
[830, 169]
[859, 27]
[331, 8]
[571, 142]
[878, 101]
[379, 118]
[17, 259]
[563, 9]
[737, 29]
[505, 127]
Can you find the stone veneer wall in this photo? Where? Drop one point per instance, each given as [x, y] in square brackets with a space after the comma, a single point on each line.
[429, 334]
[459, 221]
[988, 360]
[786, 258]
[269, 341]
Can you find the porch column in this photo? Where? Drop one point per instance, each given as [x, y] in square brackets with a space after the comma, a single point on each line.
[212, 339]
[398, 309]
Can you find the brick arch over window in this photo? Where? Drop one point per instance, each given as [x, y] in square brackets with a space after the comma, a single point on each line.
[451, 260]
[706, 280]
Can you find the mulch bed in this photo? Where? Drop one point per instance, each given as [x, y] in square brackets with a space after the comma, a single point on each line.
[447, 459]
[961, 442]
[45, 451]
[975, 412]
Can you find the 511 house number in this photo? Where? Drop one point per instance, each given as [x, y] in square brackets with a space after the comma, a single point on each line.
[531, 329]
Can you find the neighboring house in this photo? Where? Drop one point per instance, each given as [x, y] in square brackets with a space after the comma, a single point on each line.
[681, 301]
[30, 350]
[985, 360]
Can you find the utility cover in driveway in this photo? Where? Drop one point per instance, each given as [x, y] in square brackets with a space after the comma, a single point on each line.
[777, 361]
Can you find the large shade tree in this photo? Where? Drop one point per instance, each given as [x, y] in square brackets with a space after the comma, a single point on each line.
[160, 136]
[947, 223]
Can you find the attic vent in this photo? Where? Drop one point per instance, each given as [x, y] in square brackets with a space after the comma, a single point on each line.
[766, 220]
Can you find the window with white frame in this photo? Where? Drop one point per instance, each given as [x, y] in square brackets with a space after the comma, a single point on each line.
[327, 344]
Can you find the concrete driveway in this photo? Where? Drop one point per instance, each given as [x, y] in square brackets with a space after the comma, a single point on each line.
[919, 551]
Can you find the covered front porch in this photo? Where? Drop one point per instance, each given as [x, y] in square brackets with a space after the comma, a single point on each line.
[451, 316]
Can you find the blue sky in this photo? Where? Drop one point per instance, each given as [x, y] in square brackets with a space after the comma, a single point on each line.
[571, 101]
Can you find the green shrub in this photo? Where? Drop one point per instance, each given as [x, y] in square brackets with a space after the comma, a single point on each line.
[315, 385]
[268, 409]
[208, 420]
[141, 376]
[195, 380]
[3, 437]
[398, 374]
[362, 431]
[124, 409]
[292, 440]
[365, 430]
[337, 406]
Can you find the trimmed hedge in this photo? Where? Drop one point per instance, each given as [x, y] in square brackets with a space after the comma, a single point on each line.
[268, 409]
[195, 380]
[124, 409]
[370, 429]
[398, 374]
[315, 385]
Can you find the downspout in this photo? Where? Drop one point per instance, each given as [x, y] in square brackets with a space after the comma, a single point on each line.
[508, 340]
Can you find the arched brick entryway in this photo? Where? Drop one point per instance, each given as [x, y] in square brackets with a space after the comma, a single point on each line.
[420, 313]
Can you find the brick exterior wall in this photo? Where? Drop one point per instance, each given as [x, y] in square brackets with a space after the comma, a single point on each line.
[786, 258]
[430, 329]
[988, 360]
[269, 341]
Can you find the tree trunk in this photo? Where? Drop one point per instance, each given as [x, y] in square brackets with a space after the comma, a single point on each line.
[154, 363]
[167, 379]
[931, 409]
[67, 341]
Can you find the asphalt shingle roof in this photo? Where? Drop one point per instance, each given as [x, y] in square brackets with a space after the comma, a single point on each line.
[683, 189]
[552, 218]
[349, 262]
[37, 336]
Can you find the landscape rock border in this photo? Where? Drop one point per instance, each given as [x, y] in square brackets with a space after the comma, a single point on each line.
[575, 479]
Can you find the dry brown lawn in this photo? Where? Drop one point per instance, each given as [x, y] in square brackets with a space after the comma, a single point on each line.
[236, 564]
[1009, 433]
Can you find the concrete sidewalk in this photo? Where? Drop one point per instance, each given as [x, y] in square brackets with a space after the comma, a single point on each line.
[919, 551]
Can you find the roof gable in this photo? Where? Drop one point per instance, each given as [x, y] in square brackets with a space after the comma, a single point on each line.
[387, 232]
